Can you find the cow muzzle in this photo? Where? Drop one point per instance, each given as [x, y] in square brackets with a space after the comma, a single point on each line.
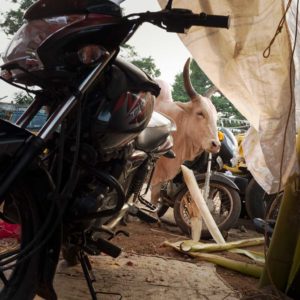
[215, 146]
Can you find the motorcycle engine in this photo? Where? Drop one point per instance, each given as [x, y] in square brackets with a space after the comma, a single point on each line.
[96, 197]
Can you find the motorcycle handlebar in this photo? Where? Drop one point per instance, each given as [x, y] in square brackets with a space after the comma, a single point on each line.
[205, 20]
[179, 20]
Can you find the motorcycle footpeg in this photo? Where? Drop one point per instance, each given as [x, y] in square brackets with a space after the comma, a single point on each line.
[148, 204]
[98, 233]
[101, 245]
[135, 211]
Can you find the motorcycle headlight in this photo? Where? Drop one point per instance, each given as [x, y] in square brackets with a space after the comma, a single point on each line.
[91, 53]
[23, 48]
[7, 75]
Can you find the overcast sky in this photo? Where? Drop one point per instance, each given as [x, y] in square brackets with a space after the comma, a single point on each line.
[165, 48]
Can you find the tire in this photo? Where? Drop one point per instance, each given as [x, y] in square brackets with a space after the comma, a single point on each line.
[24, 280]
[272, 212]
[229, 202]
[256, 201]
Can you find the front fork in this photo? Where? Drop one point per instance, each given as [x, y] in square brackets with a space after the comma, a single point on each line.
[207, 178]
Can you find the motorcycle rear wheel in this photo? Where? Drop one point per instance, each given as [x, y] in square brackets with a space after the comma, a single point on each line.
[273, 211]
[22, 281]
[255, 200]
[224, 205]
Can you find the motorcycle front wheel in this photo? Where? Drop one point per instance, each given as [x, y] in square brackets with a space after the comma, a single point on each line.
[20, 263]
[223, 202]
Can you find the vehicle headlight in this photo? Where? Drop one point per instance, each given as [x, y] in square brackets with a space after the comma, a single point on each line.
[7, 75]
[91, 53]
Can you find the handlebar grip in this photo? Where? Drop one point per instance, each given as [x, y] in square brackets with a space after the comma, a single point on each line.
[210, 20]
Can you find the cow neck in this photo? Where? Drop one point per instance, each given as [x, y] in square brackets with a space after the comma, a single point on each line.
[184, 147]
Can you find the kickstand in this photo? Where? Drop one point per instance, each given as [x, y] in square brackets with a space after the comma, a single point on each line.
[88, 273]
[90, 277]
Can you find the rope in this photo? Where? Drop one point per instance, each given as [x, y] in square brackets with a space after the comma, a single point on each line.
[267, 51]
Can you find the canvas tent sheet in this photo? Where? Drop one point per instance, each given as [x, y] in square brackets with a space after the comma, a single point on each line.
[260, 88]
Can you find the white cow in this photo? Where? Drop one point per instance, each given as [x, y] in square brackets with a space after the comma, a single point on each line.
[196, 122]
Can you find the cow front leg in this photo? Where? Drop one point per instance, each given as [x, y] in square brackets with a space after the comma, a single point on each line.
[155, 193]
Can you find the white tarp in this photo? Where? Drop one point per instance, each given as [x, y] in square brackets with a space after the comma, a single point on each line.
[258, 87]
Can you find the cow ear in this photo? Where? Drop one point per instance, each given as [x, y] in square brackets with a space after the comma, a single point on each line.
[185, 106]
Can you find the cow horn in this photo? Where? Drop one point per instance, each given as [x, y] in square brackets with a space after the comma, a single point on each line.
[187, 81]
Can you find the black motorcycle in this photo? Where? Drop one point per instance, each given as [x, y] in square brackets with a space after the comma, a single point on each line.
[65, 183]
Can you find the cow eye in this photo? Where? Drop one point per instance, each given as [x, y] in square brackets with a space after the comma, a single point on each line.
[200, 114]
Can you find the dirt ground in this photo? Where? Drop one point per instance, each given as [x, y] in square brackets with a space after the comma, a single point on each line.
[145, 241]
[148, 239]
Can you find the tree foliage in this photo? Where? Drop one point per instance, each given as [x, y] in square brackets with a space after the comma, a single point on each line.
[22, 98]
[204, 86]
[13, 19]
[146, 64]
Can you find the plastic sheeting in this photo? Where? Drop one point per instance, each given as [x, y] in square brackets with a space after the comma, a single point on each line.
[260, 88]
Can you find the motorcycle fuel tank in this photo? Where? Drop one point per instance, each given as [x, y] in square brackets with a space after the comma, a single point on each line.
[117, 126]
[127, 108]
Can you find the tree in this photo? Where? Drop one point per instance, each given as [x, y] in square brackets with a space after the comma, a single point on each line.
[23, 99]
[146, 64]
[204, 86]
[13, 19]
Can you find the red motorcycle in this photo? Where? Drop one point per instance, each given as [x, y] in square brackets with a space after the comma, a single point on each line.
[77, 174]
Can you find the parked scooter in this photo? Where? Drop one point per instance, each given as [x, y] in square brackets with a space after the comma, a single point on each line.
[233, 190]
[255, 200]
[230, 161]
[259, 206]
[222, 194]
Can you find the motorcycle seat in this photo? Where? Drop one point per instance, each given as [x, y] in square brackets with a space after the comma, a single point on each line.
[155, 134]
